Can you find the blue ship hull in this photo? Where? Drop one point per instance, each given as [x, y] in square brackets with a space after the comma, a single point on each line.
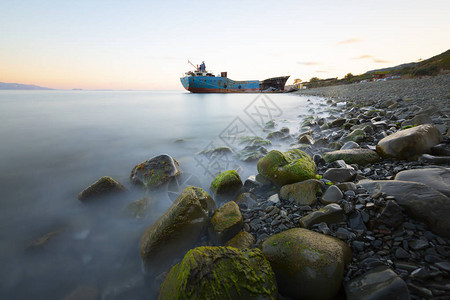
[211, 84]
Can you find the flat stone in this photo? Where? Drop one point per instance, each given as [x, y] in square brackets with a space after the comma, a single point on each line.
[391, 215]
[402, 253]
[419, 200]
[340, 174]
[437, 178]
[360, 157]
[418, 244]
[330, 214]
[379, 283]
[445, 265]
[350, 145]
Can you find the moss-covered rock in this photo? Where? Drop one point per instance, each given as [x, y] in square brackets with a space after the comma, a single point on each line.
[140, 208]
[104, 186]
[226, 184]
[288, 167]
[177, 229]
[304, 192]
[251, 153]
[330, 214]
[409, 143]
[307, 264]
[357, 135]
[254, 141]
[156, 171]
[360, 157]
[242, 240]
[225, 223]
[220, 273]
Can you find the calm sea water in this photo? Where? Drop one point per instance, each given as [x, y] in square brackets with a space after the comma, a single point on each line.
[55, 143]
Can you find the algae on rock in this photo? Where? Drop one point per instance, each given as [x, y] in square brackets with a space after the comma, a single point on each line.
[220, 273]
[178, 229]
[288, 167]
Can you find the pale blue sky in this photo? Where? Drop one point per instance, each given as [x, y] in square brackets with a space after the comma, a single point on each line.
[146, 44]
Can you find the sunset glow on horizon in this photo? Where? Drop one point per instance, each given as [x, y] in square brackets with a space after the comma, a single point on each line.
[145, 45]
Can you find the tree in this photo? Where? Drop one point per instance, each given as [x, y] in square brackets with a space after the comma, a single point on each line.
[349, 76]
[314, 79]
[297, 81]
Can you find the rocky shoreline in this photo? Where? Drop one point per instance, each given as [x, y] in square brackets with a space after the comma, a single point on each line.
[358, 207]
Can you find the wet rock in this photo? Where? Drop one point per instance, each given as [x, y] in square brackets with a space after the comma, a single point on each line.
[84, 293]
[445, 266]
[337, 123]
[356, 221]
[222, 150]
[418, 245]
[102, 187]
[306, 139]
[435, 160]
[440, 150]
[418, 120]
[437, 178]
[220, 273]
[350, 145]
[226, 184]
[330, 214]
[177, 229]
[140, 208]
[347, 186]
[419, 200]
[332, 195]
[307, 264]
[391, 215]
[288, 167]
[357, 135]
[409, 143]
[340, 174]
[276, 135]
[225, 223]
[246, 200]
[360, 157]
[379, 283]
[401, 253]
[302, 193]
[43, 240]
[243, 240]
[155, 172]
[270, 124]
[254, 141]
[251, 153]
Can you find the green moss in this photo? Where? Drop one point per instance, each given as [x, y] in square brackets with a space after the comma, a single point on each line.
[220, 273]
[225, 180]
[408, 126]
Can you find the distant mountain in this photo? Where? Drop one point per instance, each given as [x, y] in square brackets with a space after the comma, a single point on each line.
[18, 86]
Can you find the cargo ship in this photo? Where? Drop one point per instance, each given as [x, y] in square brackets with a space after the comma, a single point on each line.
[201, 81]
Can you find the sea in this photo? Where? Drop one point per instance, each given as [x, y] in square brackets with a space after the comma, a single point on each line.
[56, 143]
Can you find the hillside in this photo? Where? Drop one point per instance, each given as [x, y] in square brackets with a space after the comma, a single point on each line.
[18, 86]
[439, 64]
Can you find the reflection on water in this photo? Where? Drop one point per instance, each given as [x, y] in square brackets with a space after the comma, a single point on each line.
[55, 143]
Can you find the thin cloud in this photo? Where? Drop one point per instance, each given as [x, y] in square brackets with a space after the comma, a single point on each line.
[308, 63]
[365, 56]
[349, 41]
[380, 61]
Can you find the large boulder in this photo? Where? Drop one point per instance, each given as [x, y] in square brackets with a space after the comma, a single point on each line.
[225, 223]
[288, 167]
[102, 187]
[155, 171]
[177, 229]
[330, 214]
[220, 273]
[409, 143]
[420, 201]
[302, 193]
[361, 157]
[379, 283]
[307, 264]
[226, 184]
[437, 178]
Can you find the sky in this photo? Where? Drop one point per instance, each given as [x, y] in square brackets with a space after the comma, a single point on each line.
[146, 45]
